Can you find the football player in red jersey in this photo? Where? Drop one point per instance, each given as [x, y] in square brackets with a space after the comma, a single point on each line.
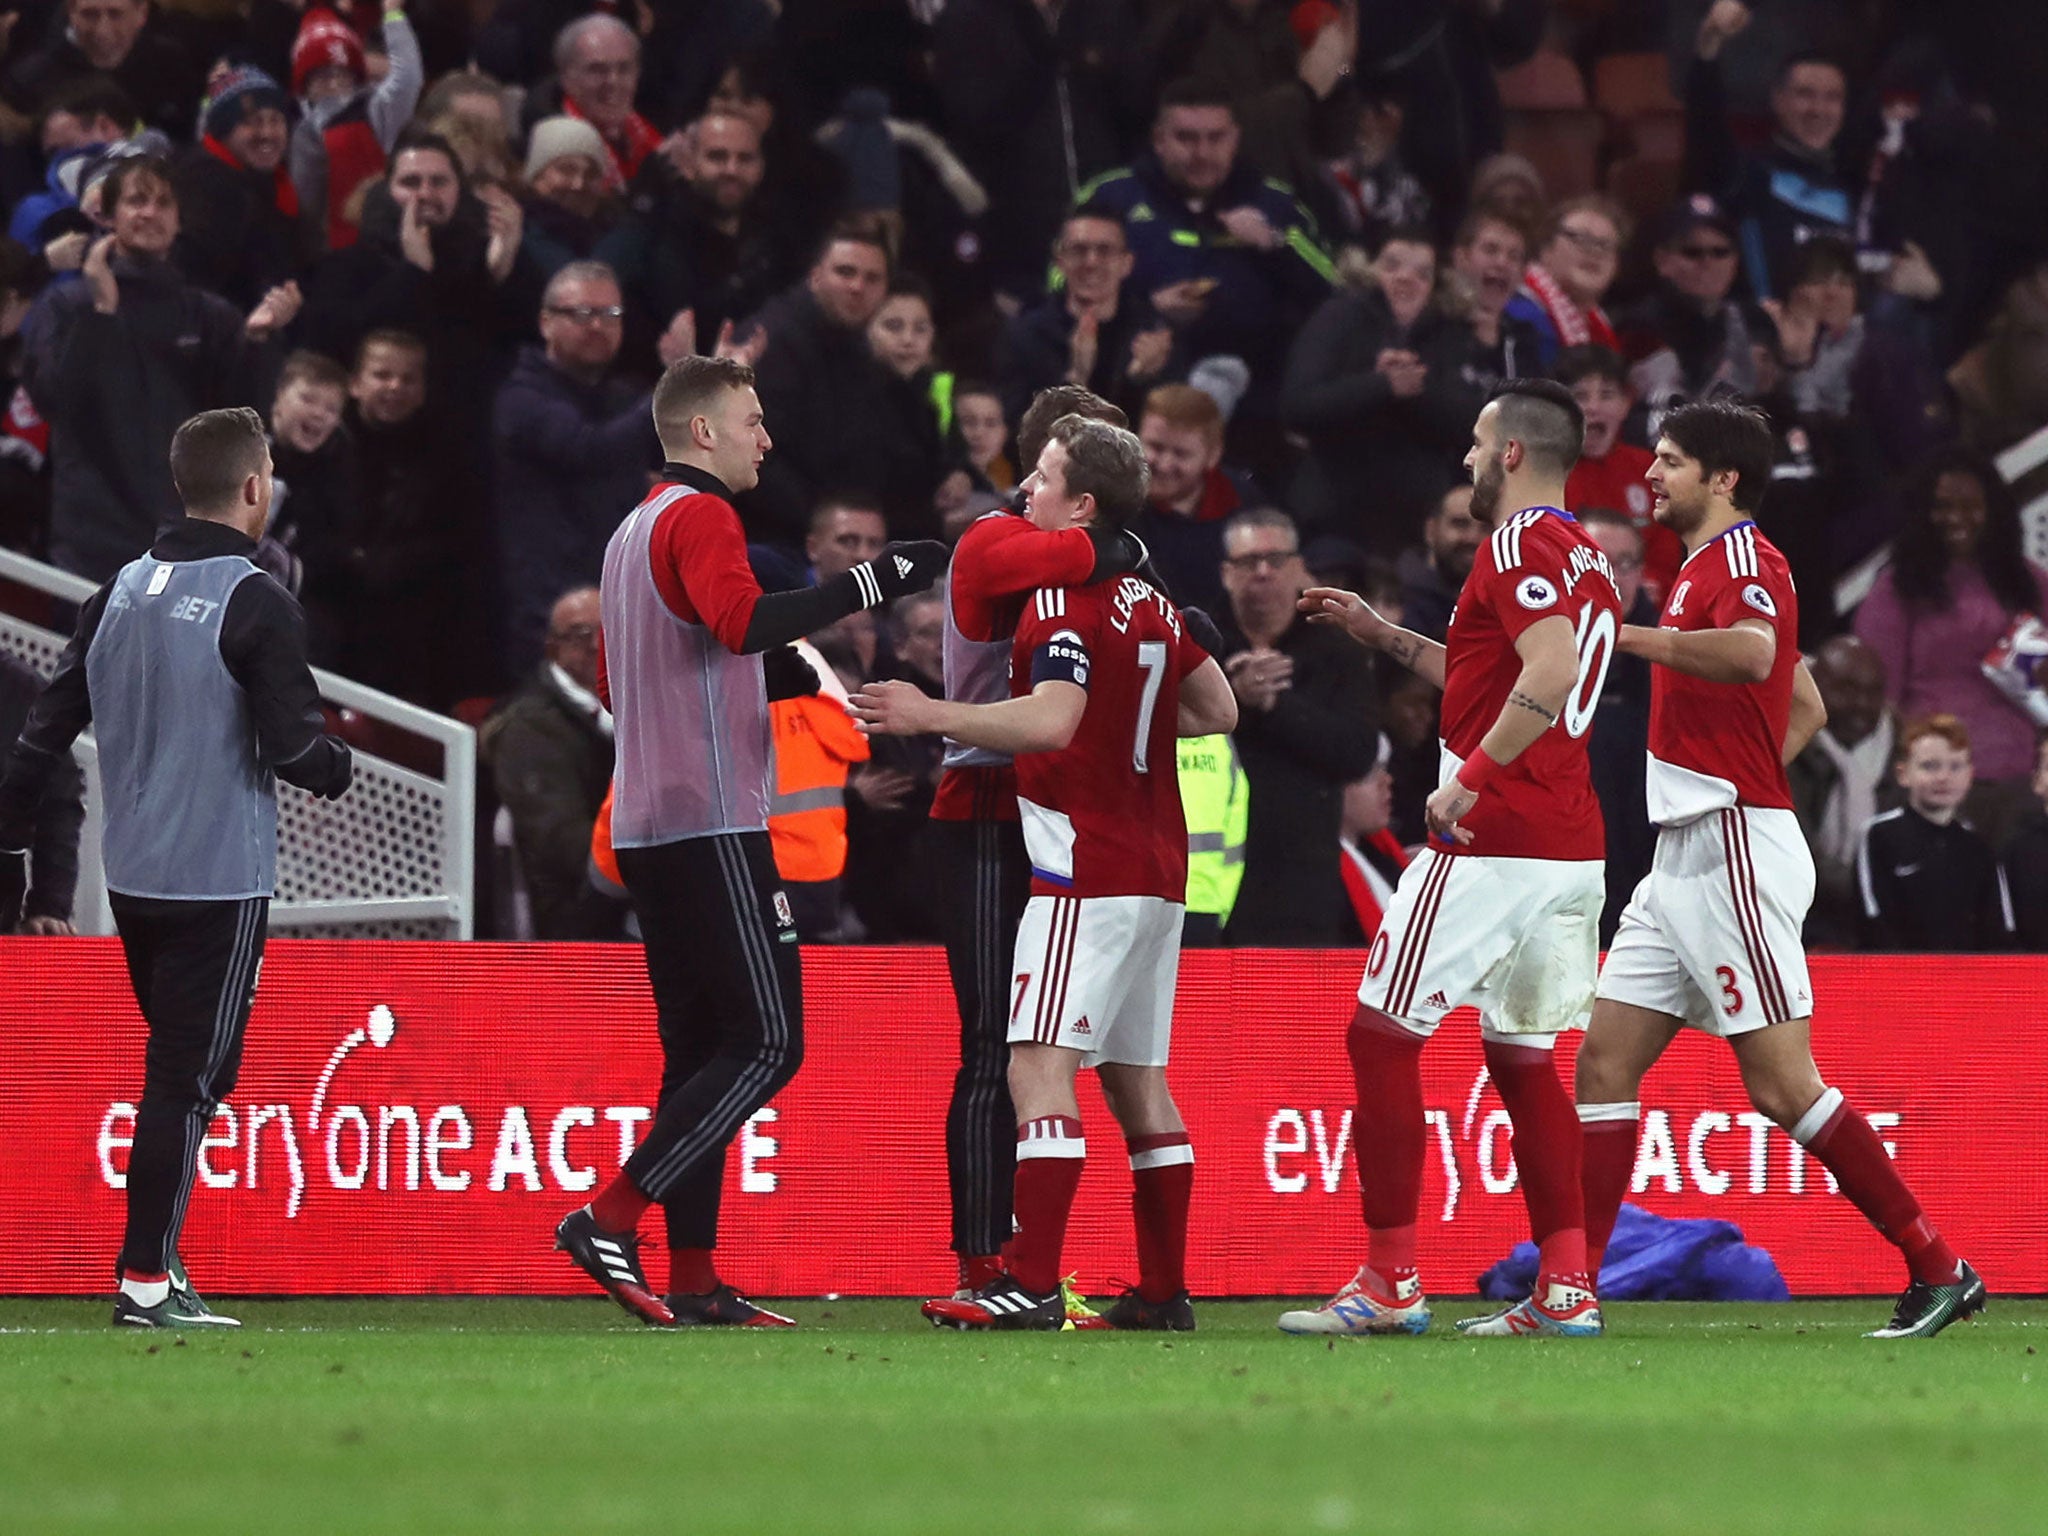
[1711, 938]
[1103, 679]
[1503, 910]
[1000, 560]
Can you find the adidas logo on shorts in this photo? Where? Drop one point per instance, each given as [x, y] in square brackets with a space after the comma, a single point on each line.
[1437, 1000]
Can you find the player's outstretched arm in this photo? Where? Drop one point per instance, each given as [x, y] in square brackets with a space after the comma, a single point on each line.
[1550, 666]
[1742, 653]
[1362, 622]
[1809, 714]
[1207, 706]
[1043, 720]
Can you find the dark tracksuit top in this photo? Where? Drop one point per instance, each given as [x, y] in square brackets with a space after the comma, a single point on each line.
[1930, 888]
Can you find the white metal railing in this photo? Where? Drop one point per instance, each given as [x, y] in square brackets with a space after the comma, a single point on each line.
[393, 858]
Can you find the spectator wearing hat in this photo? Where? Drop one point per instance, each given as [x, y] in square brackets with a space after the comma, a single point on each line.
[1792, 189]
[81, 124]
[116, 38]
[597, 78]
[348, 126]
[571, 212]
[1689, 337]
[240, 234]
[118, 360]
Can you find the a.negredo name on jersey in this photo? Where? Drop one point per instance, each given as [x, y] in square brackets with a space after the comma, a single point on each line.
[1537, 565]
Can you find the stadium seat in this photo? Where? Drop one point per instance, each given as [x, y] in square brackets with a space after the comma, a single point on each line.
[1654, 136]
[1645, 187]
[1547, 81]
[1564, 145]
[1627, 85]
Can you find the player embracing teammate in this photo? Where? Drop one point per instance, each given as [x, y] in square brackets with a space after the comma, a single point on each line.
[1710, 940]
[1502, 910]
[1103, 678]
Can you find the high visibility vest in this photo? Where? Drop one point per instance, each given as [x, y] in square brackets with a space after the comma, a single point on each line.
[813, 741]
[1216, 797]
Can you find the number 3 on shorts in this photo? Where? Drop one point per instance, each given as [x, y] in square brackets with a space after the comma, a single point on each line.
[1725, 974]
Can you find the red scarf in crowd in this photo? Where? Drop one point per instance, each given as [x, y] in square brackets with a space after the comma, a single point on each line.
[640, 139]
[1574, 326]
[281, 188]
[1365, 885]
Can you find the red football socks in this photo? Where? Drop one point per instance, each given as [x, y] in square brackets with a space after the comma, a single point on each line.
[1389, 1136]
[619, 1206]
[1852, 1151]
[1162, 1179]
[1546, 1154]
[1609, 1162]
[691, 1272]
[1050, 1156]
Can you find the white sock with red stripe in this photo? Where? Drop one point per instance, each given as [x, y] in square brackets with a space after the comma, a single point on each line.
[1162, 1179]
[1050, 1156]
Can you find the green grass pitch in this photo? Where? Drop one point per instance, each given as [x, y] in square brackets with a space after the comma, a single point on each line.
[563, 1416]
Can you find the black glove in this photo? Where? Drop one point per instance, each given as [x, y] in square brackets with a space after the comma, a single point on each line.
[1203, 631]
[908, 565]
[13, 887]
[787, 674]
[1117, 550]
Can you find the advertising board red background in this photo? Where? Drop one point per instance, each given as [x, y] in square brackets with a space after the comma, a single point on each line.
[431, 1148]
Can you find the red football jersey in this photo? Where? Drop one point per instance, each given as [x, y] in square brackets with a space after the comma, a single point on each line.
[1000, 560]
[1538, 564]
[1102, 817]
[1616, 483]
[1714, 745]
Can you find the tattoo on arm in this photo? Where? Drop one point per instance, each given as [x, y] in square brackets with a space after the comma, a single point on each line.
[1404, 649]
[1521, 698]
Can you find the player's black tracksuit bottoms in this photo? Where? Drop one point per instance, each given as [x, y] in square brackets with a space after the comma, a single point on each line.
[987, 881]
[193, 965]
[728, 994]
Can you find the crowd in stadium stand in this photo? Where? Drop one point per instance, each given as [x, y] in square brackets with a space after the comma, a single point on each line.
[446, 248]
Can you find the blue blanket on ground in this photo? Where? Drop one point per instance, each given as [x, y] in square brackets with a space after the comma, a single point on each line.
[1659, 1258]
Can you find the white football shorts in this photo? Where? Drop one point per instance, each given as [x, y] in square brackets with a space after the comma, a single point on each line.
[1518, 939]
[1711, 935]
[1096, 974]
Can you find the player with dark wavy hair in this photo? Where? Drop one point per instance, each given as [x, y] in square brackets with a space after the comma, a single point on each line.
[1710, 941]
